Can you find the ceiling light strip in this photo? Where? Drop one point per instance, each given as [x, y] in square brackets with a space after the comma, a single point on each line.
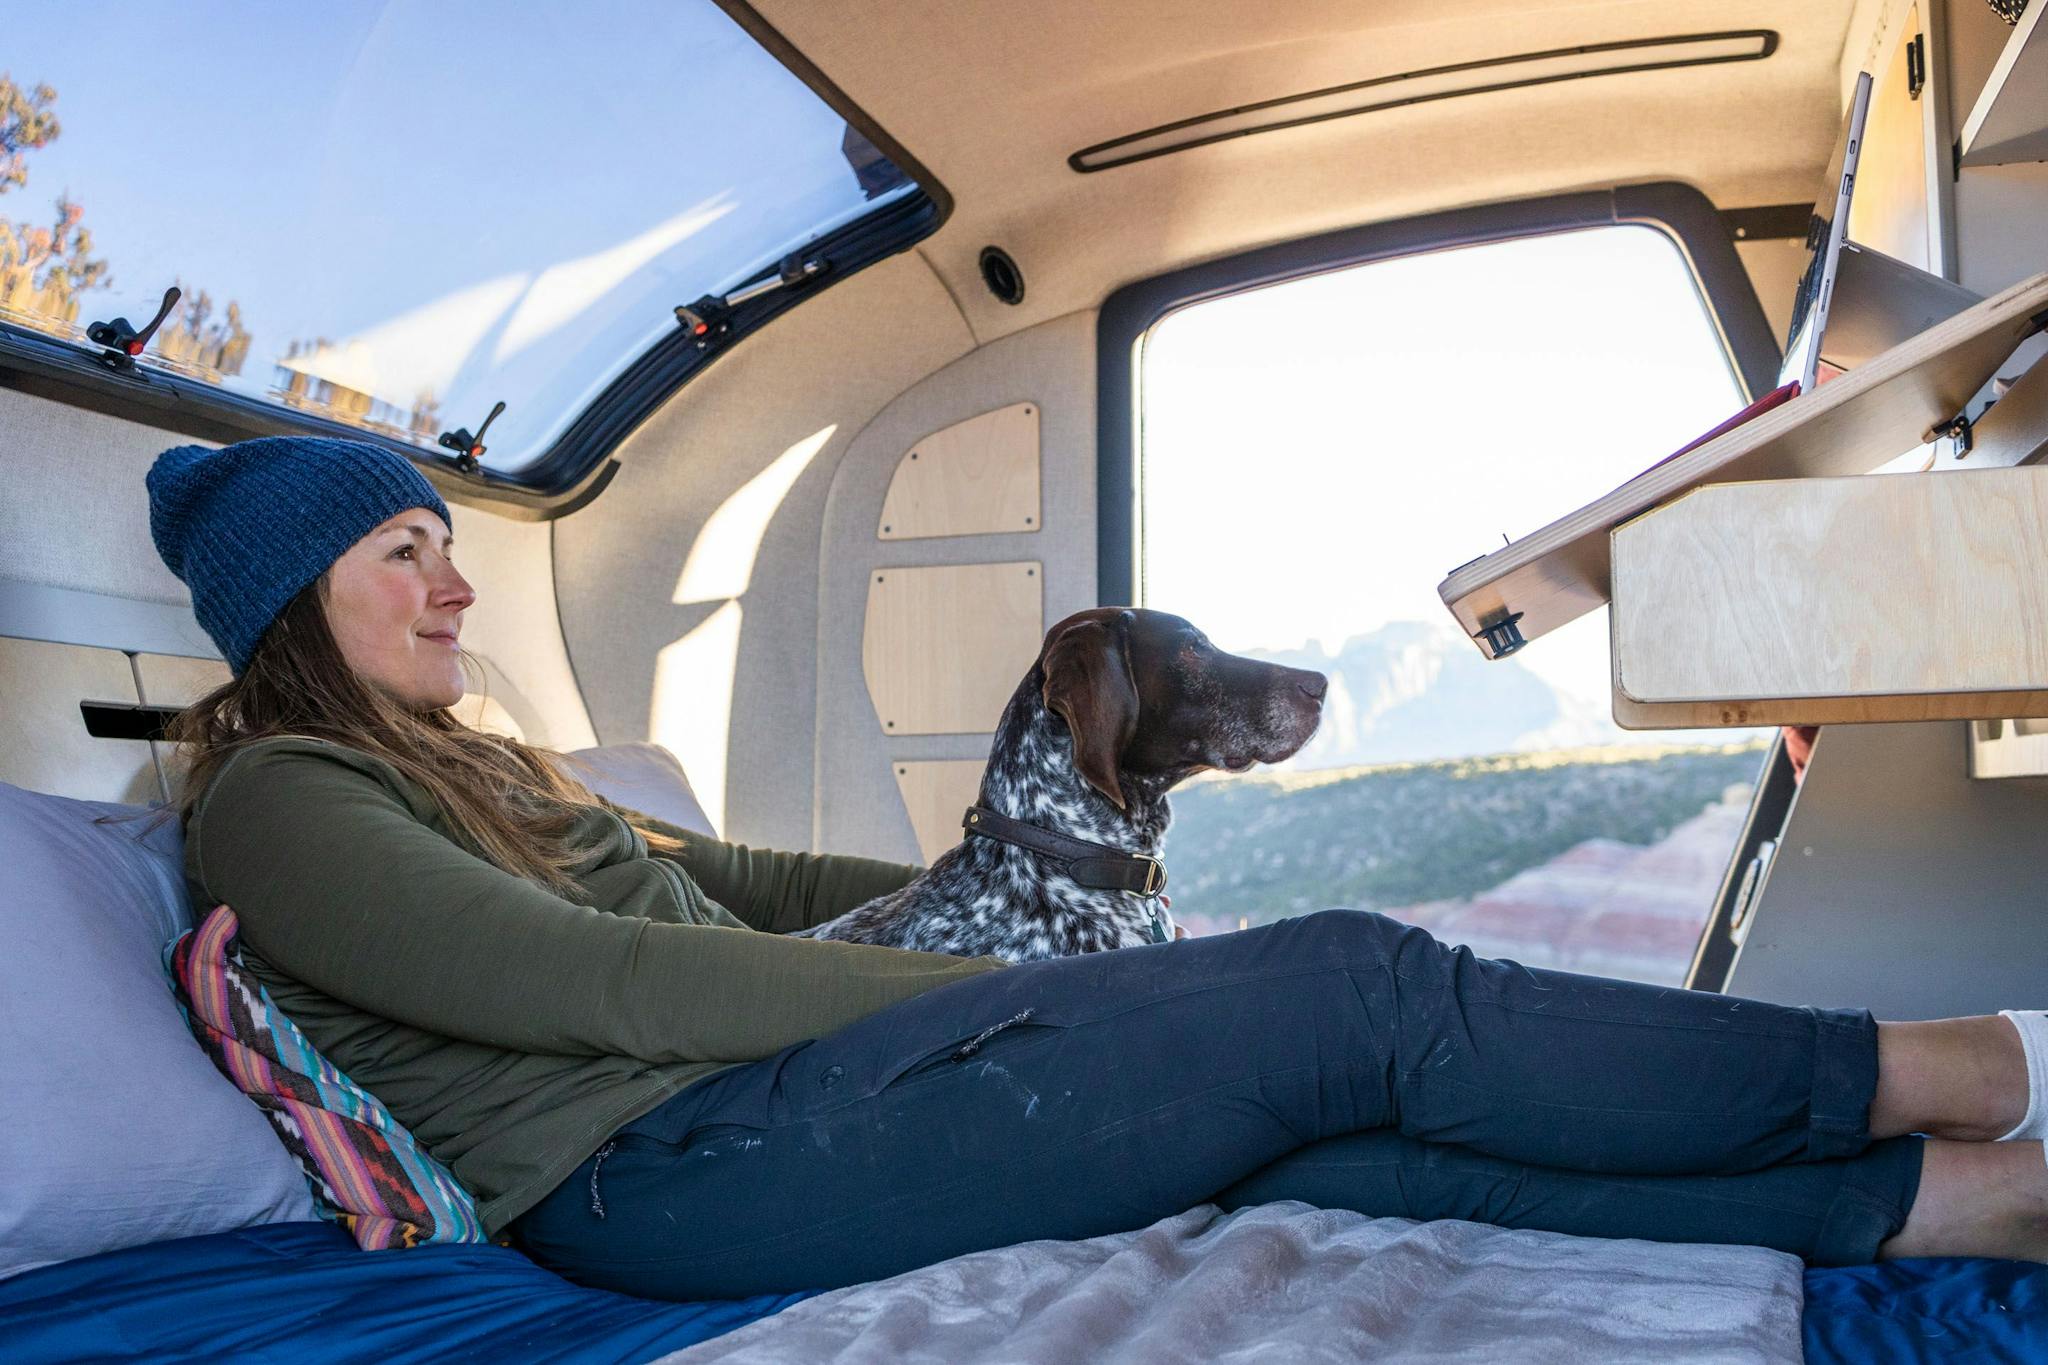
[1436, 83]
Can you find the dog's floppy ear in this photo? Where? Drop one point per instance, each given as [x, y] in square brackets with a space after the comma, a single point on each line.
[1088, 682]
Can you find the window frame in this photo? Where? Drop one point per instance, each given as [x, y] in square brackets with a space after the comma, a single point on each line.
[1705, 238]
[577, 465]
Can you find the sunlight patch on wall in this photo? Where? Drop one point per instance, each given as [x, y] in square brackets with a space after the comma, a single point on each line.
[721, 561]
[691, 710]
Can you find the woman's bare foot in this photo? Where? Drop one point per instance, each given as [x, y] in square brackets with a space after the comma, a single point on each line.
[1977, 1199]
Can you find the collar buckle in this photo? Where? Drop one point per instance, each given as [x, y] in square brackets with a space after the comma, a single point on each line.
[1155, 875]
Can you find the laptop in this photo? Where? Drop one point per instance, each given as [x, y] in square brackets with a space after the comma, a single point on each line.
[1826, 243]
[1880, 302]
[1826, 231]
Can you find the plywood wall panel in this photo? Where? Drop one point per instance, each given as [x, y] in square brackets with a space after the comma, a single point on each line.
[977, 477]
[943, 646]
[936, 793]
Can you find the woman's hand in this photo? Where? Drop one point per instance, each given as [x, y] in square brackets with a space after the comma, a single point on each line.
[1799, 748]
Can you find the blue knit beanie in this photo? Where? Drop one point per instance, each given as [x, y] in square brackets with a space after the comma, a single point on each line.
[247, 526]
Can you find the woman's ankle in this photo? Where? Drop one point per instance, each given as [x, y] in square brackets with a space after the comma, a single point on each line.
[1977, 1199]
[1961, 1079]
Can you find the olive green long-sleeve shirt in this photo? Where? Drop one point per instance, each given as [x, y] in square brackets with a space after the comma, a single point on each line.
[511, 1030]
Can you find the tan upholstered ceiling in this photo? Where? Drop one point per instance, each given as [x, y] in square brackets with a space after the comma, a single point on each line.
[993, 95]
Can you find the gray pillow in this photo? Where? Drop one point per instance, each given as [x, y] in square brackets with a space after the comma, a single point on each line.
[643, 777]
[115, 1129]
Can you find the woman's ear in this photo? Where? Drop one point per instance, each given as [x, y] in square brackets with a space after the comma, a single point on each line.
[1088, 682]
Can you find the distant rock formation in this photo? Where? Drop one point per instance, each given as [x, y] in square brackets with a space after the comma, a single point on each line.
[1414, 691]
[1604, 908]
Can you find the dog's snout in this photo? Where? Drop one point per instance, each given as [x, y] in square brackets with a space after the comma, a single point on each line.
[1313, 685]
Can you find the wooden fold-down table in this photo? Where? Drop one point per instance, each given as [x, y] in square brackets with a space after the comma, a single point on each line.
[1797, 598]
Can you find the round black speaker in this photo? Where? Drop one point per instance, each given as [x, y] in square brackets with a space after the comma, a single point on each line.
[1001, 275]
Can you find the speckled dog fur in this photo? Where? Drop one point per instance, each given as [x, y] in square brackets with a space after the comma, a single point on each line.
[1195, 707]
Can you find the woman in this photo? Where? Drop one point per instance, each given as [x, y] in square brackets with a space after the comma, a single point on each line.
[593, 1018]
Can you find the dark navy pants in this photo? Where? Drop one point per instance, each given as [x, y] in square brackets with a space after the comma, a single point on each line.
[1340, 1058]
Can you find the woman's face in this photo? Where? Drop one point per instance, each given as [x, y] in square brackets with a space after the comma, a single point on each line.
[395, 603]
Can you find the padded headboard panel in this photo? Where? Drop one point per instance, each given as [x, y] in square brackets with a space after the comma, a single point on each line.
[88, 611]
[80, 579]
[43, 743]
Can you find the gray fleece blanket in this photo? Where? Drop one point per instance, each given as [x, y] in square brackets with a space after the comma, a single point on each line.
[1286, 1282]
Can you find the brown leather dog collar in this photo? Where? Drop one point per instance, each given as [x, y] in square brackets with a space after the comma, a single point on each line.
[1093, 865]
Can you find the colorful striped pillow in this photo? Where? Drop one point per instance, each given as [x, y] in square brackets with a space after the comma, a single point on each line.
[367, 1172]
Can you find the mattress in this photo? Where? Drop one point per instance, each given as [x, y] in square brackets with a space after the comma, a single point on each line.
[1289, 1284]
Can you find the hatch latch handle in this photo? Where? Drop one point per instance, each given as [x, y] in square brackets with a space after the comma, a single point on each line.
[122, 341]
[469, 449]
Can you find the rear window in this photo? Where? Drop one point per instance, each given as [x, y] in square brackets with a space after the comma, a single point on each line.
[398, 214]
[1356, 435]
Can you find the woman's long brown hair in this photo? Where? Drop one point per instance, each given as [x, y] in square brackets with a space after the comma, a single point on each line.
[511, 799]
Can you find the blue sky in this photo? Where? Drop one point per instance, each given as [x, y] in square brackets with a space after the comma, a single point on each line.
[333, 167]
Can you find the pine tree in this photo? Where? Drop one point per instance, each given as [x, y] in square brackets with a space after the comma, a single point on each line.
[26, 123]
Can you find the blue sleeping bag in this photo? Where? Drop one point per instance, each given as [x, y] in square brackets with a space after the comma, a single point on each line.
[1941, 1310]
[305, 1293]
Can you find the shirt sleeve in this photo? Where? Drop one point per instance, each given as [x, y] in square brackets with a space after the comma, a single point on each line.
[340, 884]
[774, 891]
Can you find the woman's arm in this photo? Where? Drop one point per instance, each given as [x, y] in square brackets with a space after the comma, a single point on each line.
[338, 883]
[775, 891]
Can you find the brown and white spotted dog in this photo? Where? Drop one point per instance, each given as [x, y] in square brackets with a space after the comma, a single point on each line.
[1122, 705]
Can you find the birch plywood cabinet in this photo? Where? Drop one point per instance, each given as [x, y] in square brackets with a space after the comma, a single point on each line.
[1857, 423]
[1884, 598]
